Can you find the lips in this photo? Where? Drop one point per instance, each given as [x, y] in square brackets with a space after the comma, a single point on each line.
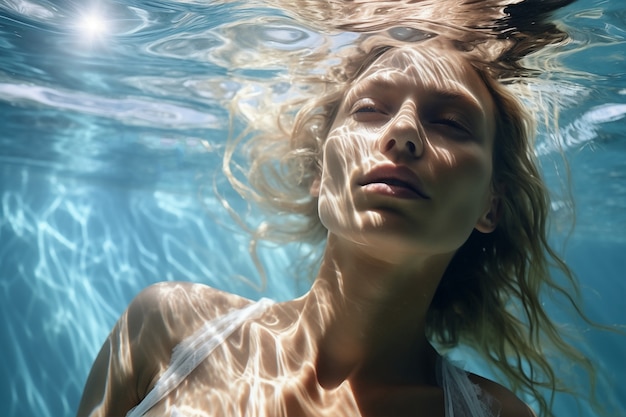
[396, 180]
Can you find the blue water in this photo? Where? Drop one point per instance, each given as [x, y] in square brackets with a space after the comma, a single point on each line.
[113, 124]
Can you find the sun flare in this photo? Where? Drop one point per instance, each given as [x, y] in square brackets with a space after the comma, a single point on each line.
[93, 25]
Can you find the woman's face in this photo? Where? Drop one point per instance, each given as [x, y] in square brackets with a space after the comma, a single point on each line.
[408, 161]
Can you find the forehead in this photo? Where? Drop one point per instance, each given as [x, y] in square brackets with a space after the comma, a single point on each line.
[436, 68]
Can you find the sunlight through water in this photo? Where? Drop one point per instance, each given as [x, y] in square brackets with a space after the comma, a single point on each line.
[115, 121]
[93, 25]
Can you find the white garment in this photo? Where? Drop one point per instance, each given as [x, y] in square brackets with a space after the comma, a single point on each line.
[462, 397]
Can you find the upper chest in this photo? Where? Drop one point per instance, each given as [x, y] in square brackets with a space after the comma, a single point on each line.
[228, 384]
[257, 371]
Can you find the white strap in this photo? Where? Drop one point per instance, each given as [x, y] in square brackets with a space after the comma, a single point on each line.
[188, 354]
[462, 397]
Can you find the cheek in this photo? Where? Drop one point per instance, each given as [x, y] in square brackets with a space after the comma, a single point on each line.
[334, 183]
[335, 159]
[344, 153]
[467, 165]
[465, 189]
[466, 178]
[476, 175]
[478, 197]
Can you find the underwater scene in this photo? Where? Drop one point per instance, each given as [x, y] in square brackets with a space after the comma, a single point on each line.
[115, 116]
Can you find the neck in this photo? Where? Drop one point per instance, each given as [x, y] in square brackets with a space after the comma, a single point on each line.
[371, 316]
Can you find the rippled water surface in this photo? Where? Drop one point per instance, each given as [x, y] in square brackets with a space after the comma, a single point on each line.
[114, 117]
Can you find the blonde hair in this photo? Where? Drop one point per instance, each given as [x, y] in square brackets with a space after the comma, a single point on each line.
[490, 295]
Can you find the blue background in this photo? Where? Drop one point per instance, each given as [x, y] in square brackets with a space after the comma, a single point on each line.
[111, 141]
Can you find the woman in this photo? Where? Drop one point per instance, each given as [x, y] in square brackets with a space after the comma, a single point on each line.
[419, 170]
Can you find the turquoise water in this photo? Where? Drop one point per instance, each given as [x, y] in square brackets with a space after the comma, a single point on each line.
[113, 124]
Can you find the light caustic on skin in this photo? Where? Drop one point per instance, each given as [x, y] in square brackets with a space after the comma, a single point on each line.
[419, 127]
[425, 123]
[264, 368]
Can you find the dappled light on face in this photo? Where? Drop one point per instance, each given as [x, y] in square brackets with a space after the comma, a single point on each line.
[435, 65]
[418, 121]
[351, 151]
[347, 156]
[443, 154]
[441, 69]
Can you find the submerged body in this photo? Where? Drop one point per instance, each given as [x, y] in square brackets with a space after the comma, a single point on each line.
[281, 380]
[412, 175]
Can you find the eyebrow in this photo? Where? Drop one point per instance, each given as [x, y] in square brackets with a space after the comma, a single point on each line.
[462, 95]
[466, 98]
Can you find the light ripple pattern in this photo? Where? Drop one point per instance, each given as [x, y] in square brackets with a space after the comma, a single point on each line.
[113, 123]
[74, 256]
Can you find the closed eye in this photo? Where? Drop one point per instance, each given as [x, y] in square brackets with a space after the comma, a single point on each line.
[367, 105]
[453, 123]
[366, 109]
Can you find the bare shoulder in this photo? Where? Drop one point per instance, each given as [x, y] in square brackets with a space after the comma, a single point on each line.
[139, 347]
[163, 315]
[510, 404]
[182, 306]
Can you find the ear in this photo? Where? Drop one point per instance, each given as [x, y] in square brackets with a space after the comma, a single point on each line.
[489, 220]
[314, 189]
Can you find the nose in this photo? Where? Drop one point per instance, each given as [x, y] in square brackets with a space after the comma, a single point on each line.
[404, 136]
